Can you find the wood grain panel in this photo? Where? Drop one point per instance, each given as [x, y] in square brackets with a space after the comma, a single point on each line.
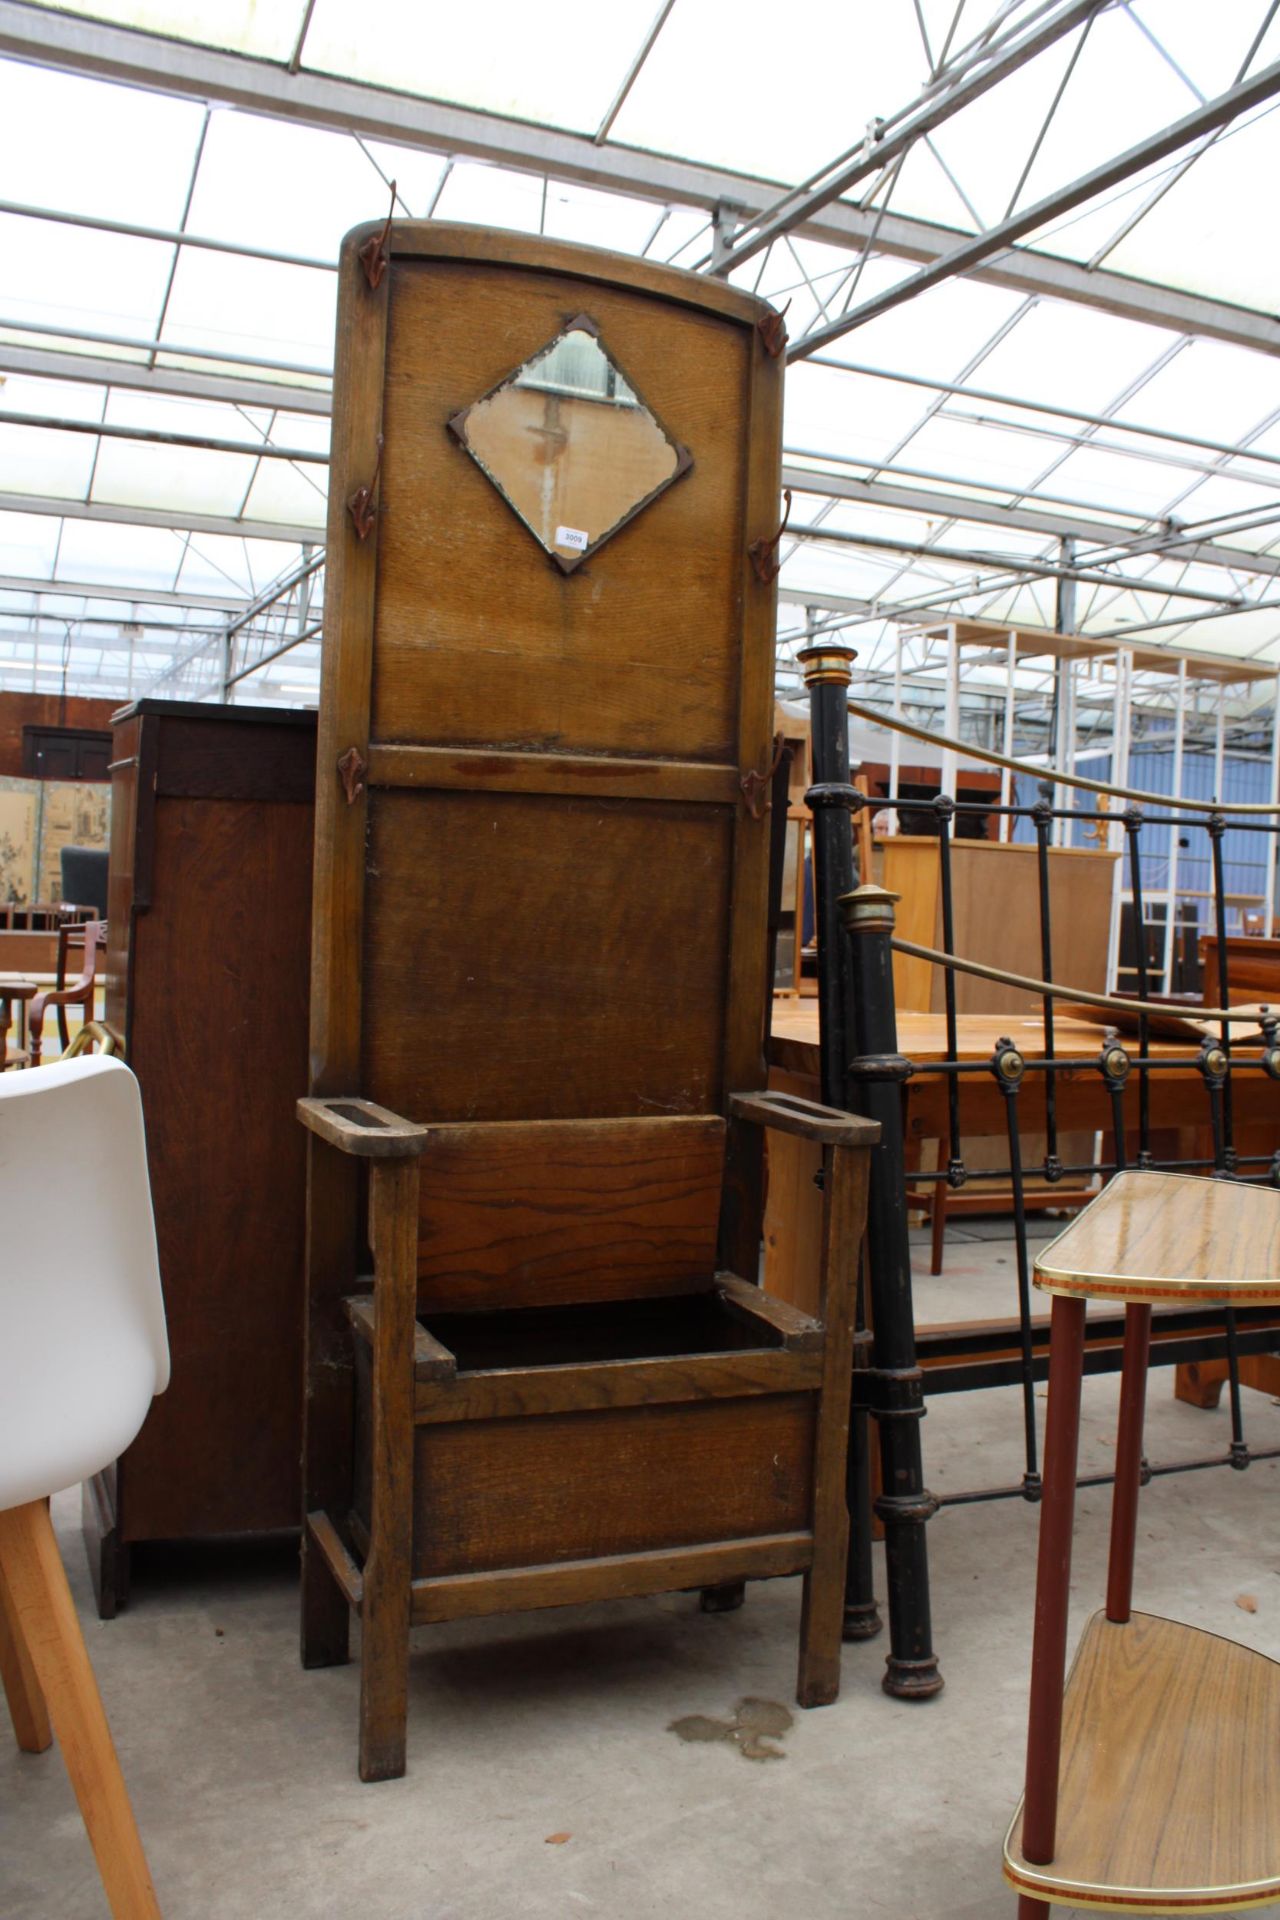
[1170, 1785]
[514, 1493]
[532, 957]
[556, 1212]
[219, 1450]
[603, 775]
[597, 660]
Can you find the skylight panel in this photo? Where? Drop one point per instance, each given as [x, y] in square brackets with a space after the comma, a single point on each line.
[750, 94]
[599, 219]
[492, 196]
[248, 187]
[1211, 390]
[39, 460]
[1072, 356]
[1119, 93]
[63, 399]
[134, 474]
[112, 554]
[267, 28]
[990, 456]
[28, 545]
[502, 56]
[1139, 486]
[85, 146]
[1193, 237]
[1208, 43]
[80, 279]
[938, 333]
[288, 496]
[252, 307]
[847, 414]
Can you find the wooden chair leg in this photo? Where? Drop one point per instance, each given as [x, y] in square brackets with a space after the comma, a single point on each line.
[386, 1606]
[844, 1205]
[46, 1623]
[326, 1616]
[27, 1707]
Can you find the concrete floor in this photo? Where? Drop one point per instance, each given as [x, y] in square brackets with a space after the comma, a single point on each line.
[532, 1728]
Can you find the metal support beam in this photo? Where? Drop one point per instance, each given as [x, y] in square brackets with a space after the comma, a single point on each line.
[888, 140]
[1215, 113]
[1018, 564]
[132, 596]
[939, 504]
[198, 73]
[198, 442]
[48, 363]
[174, 521]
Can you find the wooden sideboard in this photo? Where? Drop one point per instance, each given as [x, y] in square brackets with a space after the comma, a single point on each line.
[207, 980]
[1253, 969]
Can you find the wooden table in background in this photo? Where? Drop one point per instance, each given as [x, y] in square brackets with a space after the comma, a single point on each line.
[1178, 1113]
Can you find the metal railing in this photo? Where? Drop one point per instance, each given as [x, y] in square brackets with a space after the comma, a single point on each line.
[864, 1069]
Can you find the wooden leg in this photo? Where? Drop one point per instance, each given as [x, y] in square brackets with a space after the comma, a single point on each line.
[1029, 1908]
[724, 1599]
[1053, 1581]
[326, 1616]
[106, 1552]
[938, 1217]
[844, 1203]
[27, 1707]
[384, 1614]
[1199, 1383]
[47, 1623]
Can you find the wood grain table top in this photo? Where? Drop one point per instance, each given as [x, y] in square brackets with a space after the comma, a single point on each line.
[923, 1037]
[1170, 1785]
[1169, 1236]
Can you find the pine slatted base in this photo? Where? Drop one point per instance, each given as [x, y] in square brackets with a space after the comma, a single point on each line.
[1169, 1796]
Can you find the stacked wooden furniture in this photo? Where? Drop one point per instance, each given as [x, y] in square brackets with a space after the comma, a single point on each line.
[206, 972]
[538, 1370]
[1154, 1785]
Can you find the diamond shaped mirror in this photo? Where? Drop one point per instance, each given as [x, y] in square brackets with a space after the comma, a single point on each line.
[570, 445]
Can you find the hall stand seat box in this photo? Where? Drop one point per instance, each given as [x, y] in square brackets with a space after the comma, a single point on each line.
[1153, 1781]
[539, 1369]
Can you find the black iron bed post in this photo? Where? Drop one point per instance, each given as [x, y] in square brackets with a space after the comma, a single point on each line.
[1224, 1149]
[895, 1379]
[832, 799]
[1042, 816]
[1133, 827]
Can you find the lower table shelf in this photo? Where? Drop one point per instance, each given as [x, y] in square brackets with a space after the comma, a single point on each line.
[1169, 1795]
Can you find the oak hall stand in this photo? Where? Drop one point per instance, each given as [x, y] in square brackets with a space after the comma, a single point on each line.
[538, 1371]
[1153, 1785]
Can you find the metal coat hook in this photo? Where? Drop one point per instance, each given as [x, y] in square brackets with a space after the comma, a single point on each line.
[764, 555]
[375, 255]
[361, 506]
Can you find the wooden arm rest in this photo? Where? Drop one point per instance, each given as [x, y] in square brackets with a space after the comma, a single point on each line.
[790, 1114]
[360, 1127]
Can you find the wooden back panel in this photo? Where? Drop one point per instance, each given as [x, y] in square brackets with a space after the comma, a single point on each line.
[545, 898]
[557, 1212]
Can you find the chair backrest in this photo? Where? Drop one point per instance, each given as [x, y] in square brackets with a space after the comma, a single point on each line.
[84, 1346]
[84, 877]
[545, 739]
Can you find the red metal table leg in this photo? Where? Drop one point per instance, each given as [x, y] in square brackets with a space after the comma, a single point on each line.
[1053, 1587]
[1124, 1502]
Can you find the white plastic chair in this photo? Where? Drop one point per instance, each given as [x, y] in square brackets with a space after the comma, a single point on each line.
[82, 1353]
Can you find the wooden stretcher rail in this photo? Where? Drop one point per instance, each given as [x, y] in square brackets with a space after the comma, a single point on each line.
[598, 776]
[613, 1577]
